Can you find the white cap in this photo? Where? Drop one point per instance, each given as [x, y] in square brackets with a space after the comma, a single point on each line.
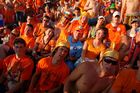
[116, 13]
[101, 17]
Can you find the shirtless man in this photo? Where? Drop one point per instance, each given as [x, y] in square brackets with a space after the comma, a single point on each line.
[90, 77]
[130, 9]
[92, 6]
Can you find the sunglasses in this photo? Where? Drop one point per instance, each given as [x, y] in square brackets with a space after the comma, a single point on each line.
[109, 61]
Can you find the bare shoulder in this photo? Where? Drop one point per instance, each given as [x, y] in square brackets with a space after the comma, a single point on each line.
[87, 66]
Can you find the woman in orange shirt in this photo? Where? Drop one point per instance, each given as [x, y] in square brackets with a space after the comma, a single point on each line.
[93, 47]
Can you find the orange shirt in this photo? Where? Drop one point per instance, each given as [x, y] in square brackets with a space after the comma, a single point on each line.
[51, 75]
[43, 46]
[30, 41]
[82, 4]
[115, 33]
[39, 3]
[20, 5]
[9, 19]
[92, 52]
[62, 34]
[22, 28]
[20, 69]
[84, 28]
[126, 82]
[39, 30]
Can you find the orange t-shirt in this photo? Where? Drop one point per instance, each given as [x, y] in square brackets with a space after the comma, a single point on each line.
[20, 69]
[126, 82]
[115, 33]
[30, 41]
[39, 3]
[9, 19]
[20, 5]
[43, 46]
[92, 52]
[84, 28]
[39, 30]
[51, 75]
[82, 4]
[22, 28]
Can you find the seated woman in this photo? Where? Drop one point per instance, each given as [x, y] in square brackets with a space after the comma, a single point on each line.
[75, 48]
[44, 44]
[93, 47]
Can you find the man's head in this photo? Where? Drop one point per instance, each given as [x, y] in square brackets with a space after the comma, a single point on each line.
[48, 34]
[29, 30]
[109, 60]
[77, 11]
[66, 17]
[19, 46]
[135, 23]
[101, 20]
[61, 50]
[116, 17]
[45, 21]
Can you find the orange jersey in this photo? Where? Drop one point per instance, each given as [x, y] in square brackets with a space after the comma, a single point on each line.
[39, 3]
[20, 5]
[51, 75]
[82, 4]
[20, 69]
[115, 33]
[30, 41]
[9, 19]
[84, 28]
[43, 46]
[92, 52]
[39, 30]
[126, 82]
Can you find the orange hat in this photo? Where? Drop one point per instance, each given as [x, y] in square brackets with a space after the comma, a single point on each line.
[61, 44]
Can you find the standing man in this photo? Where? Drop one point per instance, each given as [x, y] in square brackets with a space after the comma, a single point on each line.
[17, 69]
[130, 9]
[92, 7]
[51, 72]
[90, 77]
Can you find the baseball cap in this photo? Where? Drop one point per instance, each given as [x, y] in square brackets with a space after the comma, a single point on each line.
[116, 13]
[101, 17]
[134, 20]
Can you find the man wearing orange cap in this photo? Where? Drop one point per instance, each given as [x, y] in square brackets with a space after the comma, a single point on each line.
[90, 77]
[52, 71]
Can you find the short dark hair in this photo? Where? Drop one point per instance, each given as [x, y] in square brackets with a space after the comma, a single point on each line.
[19, 40]
[105, 31]
[30, 25]
[47, 17]
[77, 8]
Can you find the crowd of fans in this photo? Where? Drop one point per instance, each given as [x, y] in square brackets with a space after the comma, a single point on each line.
[69, 46]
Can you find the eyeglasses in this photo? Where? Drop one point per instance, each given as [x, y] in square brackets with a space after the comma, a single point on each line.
[109, 61]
